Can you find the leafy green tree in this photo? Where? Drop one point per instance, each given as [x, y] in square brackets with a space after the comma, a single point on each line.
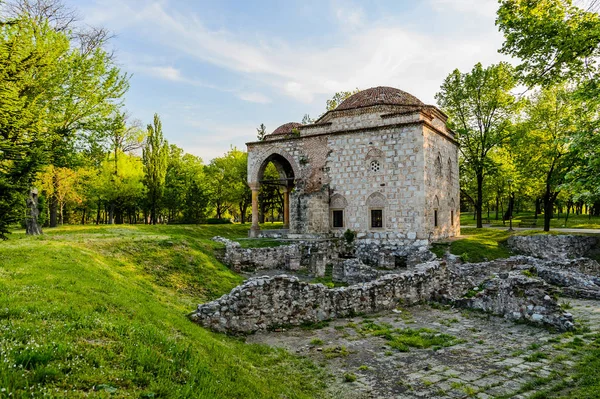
[227, 179]
[155, 157]
[185, 198]
[547, 150]
[554, 39]
[30, 57]
[338, 98]
[481, 110]
[261, 132]
[91, 90]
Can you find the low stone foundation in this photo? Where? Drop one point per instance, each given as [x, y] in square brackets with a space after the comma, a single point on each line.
[268, 302]
[552, 247]
[519, 288]
[315, 255]
[520, 298]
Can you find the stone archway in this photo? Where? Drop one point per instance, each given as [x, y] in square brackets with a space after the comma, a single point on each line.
[288, 172]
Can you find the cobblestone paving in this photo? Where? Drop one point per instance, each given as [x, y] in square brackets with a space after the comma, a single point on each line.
[498, 359]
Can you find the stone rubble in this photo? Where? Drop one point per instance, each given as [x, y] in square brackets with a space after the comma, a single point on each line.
[518, 288]
[552, 246]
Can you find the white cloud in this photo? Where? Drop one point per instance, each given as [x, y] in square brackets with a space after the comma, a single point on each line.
[168, 73]
[254, 97]
[481, 7]
[349, 16]
[376, 55]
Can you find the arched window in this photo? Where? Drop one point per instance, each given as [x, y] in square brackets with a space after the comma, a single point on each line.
[438, 167]
[337, 214]
[452, 207]
[376, 208]
[450, 175]
[436, 207]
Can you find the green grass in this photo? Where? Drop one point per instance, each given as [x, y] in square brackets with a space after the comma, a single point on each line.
[402, 339]
[586, 381]
[101, 311]
[479, 245]
[574, 222]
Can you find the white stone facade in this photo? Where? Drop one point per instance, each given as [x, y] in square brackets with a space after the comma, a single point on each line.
[391, 169]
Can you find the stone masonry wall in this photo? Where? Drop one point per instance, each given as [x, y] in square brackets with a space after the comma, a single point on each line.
[334, 158]
[441, 185]
[400, 180]
[552, 247]
[268, 302]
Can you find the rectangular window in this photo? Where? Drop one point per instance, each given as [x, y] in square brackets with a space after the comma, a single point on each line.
[376, 218]
[338, 218]
[435, 219]
[451, 218]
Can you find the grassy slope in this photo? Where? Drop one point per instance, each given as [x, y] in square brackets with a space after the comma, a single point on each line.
[101, 311]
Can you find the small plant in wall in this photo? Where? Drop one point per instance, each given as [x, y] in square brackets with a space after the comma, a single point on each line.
[303, 160]
[295, 132]
[349, 236]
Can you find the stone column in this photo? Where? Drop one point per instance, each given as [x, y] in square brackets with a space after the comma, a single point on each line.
[255, 187]
[286, 208]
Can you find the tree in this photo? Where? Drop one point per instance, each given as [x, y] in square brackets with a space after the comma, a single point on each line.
[554, 39]
[155, 156]
[547, 150]
[227, 178]
[307, 120]
[261, 132]
[481, 109]
[30, 56]
[91, 90]
[338, 98]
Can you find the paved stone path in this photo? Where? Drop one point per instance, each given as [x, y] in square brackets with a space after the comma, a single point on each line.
[498, 358]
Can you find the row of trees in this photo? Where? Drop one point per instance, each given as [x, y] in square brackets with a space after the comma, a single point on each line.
[64, 131]
[542, 144]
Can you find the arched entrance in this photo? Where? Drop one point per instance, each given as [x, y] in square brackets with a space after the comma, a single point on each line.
[283, 181]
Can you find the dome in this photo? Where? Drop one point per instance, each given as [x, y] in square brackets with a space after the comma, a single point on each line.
[286, 128]
[381, 95]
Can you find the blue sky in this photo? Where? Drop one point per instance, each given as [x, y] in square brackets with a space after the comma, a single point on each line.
[215, 70]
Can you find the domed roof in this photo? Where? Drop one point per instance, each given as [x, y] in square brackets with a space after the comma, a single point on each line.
[286, 128]
[380, 95]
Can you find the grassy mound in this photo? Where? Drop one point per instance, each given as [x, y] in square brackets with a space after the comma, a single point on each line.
[101, 312]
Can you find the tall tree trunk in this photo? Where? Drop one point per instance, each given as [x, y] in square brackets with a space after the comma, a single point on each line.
[549, 198]
[53, 206]
[98, 213]
[479, 205]
[83, 216]
[497, 205]
[32, 227]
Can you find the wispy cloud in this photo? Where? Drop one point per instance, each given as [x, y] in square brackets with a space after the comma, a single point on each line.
[482, 7]
[348, 15]
[377, 54]
[254, 97]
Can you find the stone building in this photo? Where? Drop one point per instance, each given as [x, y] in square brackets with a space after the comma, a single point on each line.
[382, 164]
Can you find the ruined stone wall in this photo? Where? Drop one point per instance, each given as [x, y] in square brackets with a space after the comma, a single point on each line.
[267, 302]
[521, 298]
[552, 247]
[442, 185]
